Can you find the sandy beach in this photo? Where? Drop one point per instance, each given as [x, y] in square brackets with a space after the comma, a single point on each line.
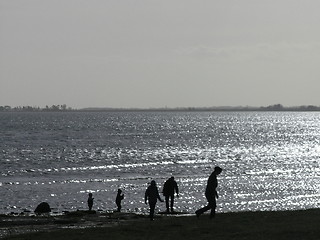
[304, 224]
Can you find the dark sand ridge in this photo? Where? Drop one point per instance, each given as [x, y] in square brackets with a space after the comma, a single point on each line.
[304, 224]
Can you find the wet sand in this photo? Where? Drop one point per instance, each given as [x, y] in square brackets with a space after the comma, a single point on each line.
[304, 224]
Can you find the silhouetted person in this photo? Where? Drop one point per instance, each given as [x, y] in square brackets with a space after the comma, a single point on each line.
[211, 193]
[151, 195]
[169, 188]
[119, 198]
[90, 201]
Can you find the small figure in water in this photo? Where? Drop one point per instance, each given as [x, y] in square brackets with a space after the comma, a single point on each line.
[119, 198]
[90, 201]
[169, 188]
[151, 196]
[211, 193]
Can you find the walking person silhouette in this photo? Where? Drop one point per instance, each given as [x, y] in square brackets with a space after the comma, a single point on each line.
[211, 193]
[151, 195]
[169, 188]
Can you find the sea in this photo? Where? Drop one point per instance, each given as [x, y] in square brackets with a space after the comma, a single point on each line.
[270, 160]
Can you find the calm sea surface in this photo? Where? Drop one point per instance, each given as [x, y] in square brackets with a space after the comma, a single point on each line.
[271, 160]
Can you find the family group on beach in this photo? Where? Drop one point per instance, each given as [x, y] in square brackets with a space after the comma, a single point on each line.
[169, 189]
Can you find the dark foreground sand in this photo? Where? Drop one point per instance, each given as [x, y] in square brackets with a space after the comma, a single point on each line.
[244, 225]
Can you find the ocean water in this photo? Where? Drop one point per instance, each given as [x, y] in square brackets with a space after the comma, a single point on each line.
[270, 160]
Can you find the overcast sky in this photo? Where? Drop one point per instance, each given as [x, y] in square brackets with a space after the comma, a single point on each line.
[150, 53]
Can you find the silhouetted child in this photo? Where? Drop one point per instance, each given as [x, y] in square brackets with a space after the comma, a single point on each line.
[90, 201]
[119, 198]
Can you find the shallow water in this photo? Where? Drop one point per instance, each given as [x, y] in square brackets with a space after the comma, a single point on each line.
[270, 159]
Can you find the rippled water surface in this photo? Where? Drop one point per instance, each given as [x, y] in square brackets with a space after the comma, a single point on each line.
[271, 160]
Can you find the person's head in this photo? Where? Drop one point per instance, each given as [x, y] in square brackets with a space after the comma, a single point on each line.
[153, 183]
[119, 190]
[90, 194]
[217, 170]
[172, 178]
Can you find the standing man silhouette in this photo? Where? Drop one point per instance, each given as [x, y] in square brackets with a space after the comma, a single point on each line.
[211, 194]
[169, 188]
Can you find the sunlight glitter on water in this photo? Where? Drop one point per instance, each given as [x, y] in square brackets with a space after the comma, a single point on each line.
[270, 160]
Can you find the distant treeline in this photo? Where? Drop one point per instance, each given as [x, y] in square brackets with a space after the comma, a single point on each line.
[53, 108]
[64, 107]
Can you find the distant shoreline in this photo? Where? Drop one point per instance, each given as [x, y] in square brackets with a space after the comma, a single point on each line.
[209, 109]
[64, 108]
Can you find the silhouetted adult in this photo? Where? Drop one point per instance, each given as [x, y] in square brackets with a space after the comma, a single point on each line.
[169, 188]
[211, 193]
[151, 196]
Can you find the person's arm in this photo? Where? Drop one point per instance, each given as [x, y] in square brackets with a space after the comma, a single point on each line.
[146, 196]
[177, 189]
[158, 196]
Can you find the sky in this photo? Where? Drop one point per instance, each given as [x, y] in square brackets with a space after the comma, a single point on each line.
[154, 54]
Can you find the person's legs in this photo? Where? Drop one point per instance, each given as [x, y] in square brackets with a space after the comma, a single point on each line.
[202, 210]
[119, 207]
[213, 212]
[172, 202]
[213, 208]
[211, 205]
[152, 207]
[167, 202]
